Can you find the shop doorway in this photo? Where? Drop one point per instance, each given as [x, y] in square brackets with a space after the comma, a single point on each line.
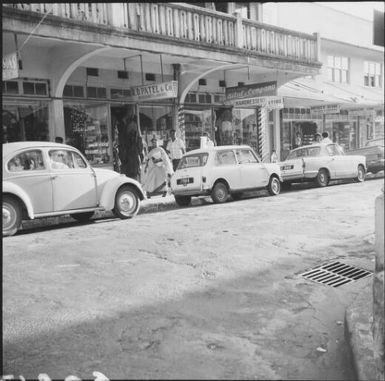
[224, 132]
[303, 133]
[128, 153]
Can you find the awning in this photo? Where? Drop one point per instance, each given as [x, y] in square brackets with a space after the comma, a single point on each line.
[306, 92]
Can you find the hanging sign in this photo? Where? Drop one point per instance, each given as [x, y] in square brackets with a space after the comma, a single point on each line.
[10, 67]
[326, 109]
[268, 102]
[251, 91]
[155, 91]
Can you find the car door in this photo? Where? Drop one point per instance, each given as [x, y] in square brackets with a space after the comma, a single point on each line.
[32, 175]
[292, 167]
[226, 166]
[337, 162]
[253, 172]
[73, 181]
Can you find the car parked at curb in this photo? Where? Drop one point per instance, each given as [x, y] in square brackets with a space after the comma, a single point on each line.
[374, 153]
[222, 171]
[321, 163]
[44, 179]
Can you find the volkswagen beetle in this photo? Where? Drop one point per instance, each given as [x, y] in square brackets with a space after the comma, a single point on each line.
[43, 179]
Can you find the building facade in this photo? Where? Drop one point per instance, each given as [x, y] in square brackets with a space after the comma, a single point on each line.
[207, 67]
[346, 98]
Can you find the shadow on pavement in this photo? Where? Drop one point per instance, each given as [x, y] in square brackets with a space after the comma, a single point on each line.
[241, 328]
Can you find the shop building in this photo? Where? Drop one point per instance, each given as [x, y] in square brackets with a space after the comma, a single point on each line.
[81, 67]
[346, 98]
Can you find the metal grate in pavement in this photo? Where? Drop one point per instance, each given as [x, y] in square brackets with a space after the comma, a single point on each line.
[335, 274]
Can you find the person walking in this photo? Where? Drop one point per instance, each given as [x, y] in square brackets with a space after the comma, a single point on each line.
[325, 138]
[317, 138]
[157, 171]
[176, 149]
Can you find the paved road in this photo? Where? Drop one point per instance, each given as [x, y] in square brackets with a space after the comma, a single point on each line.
[209, 291]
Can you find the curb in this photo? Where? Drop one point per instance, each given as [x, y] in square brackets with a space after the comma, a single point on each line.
[358, 334]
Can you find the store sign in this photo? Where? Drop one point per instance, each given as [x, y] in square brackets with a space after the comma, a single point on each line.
[326, 109]
[251, 91]
[10, 67]
[269, 102]
[364, 112]
[155, 91]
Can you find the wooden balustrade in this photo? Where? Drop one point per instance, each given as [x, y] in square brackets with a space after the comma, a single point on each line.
[189, 23]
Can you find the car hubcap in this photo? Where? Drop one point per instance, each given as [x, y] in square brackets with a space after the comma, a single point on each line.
[360, 174]
[127, 203]
[221, 194]
[322, 178]
[8, 216]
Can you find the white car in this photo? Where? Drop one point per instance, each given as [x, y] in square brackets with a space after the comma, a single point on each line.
[321, 163]
[222, 171]
[42, 179]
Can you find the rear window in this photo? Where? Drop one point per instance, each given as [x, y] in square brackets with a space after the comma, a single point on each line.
[190, 161]
[304, 152]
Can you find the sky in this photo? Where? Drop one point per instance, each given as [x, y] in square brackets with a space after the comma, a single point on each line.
[362, 9]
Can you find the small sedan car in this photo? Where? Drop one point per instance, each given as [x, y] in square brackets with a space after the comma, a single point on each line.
[321, 163]
[222, 171]
[43, 179]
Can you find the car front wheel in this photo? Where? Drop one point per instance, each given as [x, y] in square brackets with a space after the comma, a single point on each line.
[183, 200]
[11, 216]
[127, 202]
[322, 178]
[360, 174]
[274, 186]
[219, 194]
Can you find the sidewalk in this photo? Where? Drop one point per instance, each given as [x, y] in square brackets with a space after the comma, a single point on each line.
[358, 334]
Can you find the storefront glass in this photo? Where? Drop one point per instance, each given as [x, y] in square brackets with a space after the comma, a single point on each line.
[245, 127]
[196, 123]
[156, 121]
[25, 121]
[86, 128]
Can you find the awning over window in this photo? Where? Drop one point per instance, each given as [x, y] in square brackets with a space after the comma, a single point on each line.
[305, 92]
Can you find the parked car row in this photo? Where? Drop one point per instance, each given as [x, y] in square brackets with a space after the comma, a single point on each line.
[42, 179]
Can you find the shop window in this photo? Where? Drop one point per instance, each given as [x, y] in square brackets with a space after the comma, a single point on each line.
[196, 123]
[219, 98]
[191, 98]
[372, 74]
[204, 98]
[338, 69]
[73, 91]
[86, 129]
[25, 122]
[10, 87]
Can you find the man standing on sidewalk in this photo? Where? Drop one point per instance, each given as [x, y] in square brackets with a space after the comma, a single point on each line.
[176, 149]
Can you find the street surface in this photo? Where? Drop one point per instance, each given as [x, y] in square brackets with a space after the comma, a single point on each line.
[208, 291]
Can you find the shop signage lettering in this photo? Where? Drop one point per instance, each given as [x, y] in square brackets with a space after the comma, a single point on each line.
[269, 102]
[155, 91]
[10, 67]
[361, 112]
[251, 91]
[326, 109]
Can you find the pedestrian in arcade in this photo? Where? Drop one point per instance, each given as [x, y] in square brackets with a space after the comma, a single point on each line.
[325, 138]
[176, 149]
[157, 171]
[317, 138]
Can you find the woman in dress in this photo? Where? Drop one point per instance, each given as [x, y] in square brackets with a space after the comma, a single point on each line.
[157, 171]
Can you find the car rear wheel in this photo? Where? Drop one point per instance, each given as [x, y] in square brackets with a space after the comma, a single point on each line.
[219, 194]
[11, 216]
[360, 174]
[274, 186]
[127, 202]
[183, 200]
[82, 217]
[322, 178]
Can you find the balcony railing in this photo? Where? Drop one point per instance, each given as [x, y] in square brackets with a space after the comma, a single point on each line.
[190, 23]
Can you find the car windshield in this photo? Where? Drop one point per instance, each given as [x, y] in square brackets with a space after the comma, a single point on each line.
[373, 143]
[198, 160]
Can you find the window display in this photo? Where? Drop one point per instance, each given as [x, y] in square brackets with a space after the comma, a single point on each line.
[197, 122]
[25, 122]
[87, 129]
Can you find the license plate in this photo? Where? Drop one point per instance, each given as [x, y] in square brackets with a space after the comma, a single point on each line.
[286, 167]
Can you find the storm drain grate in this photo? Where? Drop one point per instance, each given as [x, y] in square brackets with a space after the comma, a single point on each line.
[335, 274]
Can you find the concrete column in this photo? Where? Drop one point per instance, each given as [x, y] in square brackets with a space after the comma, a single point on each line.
[56, 119]
[277, 133]
[378, 290]
[318, 46]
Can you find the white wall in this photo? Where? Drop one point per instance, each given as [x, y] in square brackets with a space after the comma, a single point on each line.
[330, 23]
